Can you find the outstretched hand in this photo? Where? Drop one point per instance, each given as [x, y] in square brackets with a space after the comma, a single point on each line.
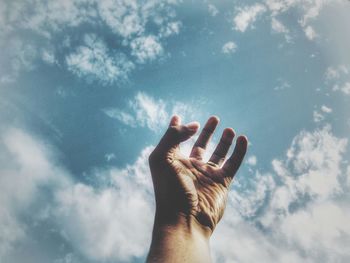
[187, 188]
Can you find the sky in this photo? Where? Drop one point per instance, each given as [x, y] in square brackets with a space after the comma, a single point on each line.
[86, 91]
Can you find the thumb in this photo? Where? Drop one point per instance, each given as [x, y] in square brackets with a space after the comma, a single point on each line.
[175, 135]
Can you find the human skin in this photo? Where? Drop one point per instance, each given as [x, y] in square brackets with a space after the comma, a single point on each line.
[190, 194]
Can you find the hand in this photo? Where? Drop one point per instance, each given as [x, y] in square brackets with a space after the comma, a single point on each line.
[188, 189]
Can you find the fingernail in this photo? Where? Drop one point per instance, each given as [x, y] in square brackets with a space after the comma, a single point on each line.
[229, 132]
[242, 140]
[214, 119]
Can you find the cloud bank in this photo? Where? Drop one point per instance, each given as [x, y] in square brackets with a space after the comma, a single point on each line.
[295, 212]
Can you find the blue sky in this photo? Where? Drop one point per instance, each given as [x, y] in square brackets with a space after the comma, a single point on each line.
[87, 89]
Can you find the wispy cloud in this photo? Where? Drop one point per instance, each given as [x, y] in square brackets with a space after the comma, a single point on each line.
[320, 114]
[93, 61]
[310, 32]
[326, 109]
[318, 117]
[229, 47]
[252, 160]
[282, 85]
[146, 48]
[212, 9]
[309, 11]
[145, 111]
[334, 73]
[246, 16]
[278, 27]
[345, 88]
[338, 78]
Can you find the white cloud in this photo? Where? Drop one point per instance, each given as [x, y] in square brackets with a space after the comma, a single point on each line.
[345, 88]
[236, 240]
[310, 32]
[308, 12]
[102, 219]
[68, 258]
[146, 48]
[20, 57]
[320, 225]
[128, 21]
[149, 112]
[297, 215]
[248, 200]
[246, 16]
[94, 62]
[338, 77]
[186, 111]
[46, 19]
[123, 17]
[280, 28]
[129, 18]
[109, 156]
[229, 48]
[48, 56]
[172, 28]
[145, 111]
[212, 9]
[282, 85]
[86, 216]
[280, 6]
[326, 109]
[11, 229]
[313, 162]
[24, 168]
[312, 9]
[301, 206]
[2, 18]
[252, 160]
[318, 117]
[334, 73]
[277, 26]
[122, 116]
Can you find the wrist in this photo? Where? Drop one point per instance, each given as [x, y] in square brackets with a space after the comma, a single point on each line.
[173, 240]
[183, 223]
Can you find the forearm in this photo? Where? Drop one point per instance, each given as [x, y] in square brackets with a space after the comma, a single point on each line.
[182, 241]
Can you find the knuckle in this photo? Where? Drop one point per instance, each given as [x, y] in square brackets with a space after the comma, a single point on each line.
[173, 130]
